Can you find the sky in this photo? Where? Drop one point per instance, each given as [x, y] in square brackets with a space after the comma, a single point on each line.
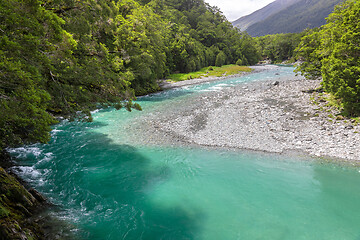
[234, 9]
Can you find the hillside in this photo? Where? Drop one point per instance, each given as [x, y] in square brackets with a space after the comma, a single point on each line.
[295, 17]
[246, 21]
[63, 58]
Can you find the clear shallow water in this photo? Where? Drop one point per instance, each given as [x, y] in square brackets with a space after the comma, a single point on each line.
[109, 188]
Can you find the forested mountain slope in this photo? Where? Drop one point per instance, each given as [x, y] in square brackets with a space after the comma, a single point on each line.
[246, 21]
[296, 17]
[62, 57]
[287, 16]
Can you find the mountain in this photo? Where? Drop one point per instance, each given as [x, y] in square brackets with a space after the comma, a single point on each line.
[295, 17]
[244, 22]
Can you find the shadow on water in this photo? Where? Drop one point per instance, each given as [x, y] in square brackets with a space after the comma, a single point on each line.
[103, 187]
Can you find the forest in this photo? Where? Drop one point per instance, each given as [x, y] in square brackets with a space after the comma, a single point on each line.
[67, 57]
[64, 57]
[332, 53]
[278, 48]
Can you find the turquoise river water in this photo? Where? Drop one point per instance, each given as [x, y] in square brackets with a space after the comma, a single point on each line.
[107, 187]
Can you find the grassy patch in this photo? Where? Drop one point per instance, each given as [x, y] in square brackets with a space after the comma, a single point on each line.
[331, 116]
[356, 120]
[333, 102]
[225, 70]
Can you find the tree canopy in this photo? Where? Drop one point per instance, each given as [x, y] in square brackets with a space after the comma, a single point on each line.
[333, 52]
[279, 47]
[61, 57]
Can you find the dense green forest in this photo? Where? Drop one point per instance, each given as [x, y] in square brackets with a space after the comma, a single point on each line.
[279, 47]
[333, 53]
[61, 57]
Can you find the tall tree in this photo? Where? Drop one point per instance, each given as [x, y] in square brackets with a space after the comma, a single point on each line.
[334, 52]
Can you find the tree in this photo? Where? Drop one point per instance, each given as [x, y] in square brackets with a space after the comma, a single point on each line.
[64, 57]
[279, 47]
[23, 63]
[341, 55]
[141, 38]
[334, 53]
[308, 51]
[220, 59]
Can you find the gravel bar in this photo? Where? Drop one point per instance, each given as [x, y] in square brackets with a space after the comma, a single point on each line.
[272, 116]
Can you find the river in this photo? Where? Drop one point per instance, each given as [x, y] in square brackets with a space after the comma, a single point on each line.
[109, 184]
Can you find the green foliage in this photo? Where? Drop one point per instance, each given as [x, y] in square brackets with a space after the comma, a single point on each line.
[16, 206]
[198, 33]
[239, 62]
[45, 70]
[308, 53]
[62, 57]
[220, 59]
[334, 51]
[279, 47]
[23, 100]
[209, 72]
[249, 54]
[141, 38]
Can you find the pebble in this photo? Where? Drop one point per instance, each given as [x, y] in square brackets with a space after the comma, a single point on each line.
[274, 120]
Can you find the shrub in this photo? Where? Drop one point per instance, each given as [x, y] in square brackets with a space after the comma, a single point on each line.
[220, 59]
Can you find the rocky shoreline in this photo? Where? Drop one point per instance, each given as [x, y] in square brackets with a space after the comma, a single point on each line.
[279, 116]
[18, 206]
[24, 212]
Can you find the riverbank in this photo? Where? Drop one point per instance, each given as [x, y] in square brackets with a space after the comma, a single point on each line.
[98, 174]
[24, 212]
[18, 207]
[273, 116]
[169, 85]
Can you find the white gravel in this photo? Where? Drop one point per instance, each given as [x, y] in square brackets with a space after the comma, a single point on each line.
[260, 116]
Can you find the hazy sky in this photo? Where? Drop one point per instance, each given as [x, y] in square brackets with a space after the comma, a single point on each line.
[233, 9]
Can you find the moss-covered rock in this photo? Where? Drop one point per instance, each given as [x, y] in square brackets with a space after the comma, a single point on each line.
[14, 191]
[17, 205]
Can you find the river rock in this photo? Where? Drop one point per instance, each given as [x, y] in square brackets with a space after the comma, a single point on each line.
[16, 206]
[265, 119]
